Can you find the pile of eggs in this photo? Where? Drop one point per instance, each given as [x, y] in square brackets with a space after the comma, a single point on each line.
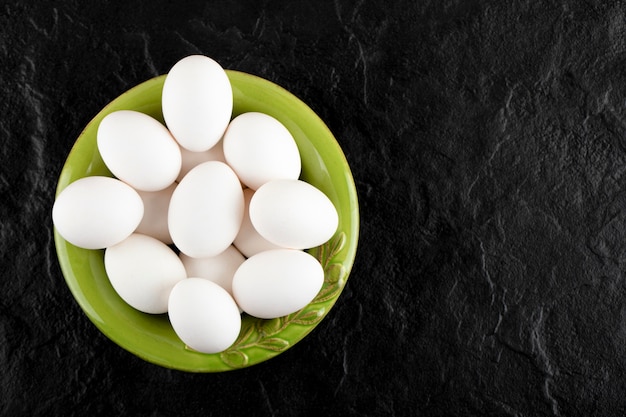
[205, 217]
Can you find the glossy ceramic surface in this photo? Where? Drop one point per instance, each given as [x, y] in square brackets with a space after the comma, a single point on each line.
[150, 336]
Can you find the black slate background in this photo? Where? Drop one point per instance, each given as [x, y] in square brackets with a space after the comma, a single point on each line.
[487, 141]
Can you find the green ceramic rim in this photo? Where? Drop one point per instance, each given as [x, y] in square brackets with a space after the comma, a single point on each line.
[151, 337]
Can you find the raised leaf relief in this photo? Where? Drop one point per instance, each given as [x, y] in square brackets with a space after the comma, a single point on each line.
[264, 334]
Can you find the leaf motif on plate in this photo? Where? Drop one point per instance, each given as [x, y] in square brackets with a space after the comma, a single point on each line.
[309, 318]
[334, 280]
[270, 326]
[327, 251]
[234, 358]
[334, 274]
[275, 344]
[262, 334]
[247, 330]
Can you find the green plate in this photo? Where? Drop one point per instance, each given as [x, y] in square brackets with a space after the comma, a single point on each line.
[151, 337]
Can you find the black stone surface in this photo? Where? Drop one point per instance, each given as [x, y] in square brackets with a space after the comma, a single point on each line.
[488, 144]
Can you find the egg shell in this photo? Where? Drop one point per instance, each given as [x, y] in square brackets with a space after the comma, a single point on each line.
[293, 214]
[203, 315]
[143, 271]
[277, 282]
[138, 150]
[197, 102]
[97, 212]
[259, 148]
[248, 241]
[206, 210]
[219, 269]
[156, 205]
[192, 159]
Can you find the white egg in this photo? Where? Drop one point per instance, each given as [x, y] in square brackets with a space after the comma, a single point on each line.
[154, 221]
[203, 315]
[248, 240]
[197, 102]
[138, 150]
[96, 212]
[293, 214]
[219, 269]
[277, 282]
[192, 159]
[143, 271]
[206, 210]
[259, 148]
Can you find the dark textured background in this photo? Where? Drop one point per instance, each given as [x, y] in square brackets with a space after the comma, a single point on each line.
[488, 144]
